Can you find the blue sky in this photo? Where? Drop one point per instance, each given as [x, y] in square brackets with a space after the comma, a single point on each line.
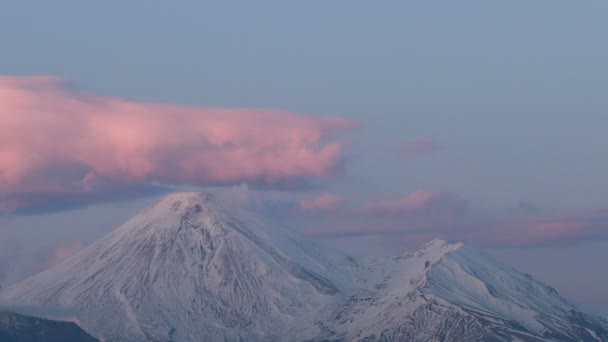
[512, 95]
[513, 91]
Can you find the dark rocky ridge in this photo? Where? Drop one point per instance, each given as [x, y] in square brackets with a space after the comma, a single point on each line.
[19, 328]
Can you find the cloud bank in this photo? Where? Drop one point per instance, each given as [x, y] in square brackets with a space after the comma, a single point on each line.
[427, 214]
[423, 212]
[541, 230]
[62, 144]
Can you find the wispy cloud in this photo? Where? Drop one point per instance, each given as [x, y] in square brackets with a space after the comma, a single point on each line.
[440, 214]
[539, 230]
[419, 213]
[323, 203]
[57, 142]
[417, 147]
[418, 202]
[64, 251]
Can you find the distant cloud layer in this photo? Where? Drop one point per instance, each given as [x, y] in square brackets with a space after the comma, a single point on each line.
[61, 145]
[424, 214]
[322, 203]
[418, 202]
[419, 213]
[544, 229]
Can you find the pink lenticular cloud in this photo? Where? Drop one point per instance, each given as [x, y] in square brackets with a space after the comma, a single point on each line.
[418, 202]
[417, 147]
[54, 140]
[325, 202]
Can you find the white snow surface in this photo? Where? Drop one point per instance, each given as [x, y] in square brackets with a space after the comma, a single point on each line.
[188, 269]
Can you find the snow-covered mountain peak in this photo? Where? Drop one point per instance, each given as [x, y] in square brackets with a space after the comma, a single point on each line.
[181, 201]
[190, 204]
[187, 256]
[196, 211]
[432, 250]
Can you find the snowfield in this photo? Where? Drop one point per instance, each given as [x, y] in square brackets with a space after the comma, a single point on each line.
[188, 269]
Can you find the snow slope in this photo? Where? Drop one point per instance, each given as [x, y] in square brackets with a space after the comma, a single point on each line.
[188, 269]
[451, 292]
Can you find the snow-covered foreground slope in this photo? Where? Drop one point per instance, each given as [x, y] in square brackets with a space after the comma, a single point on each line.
[187, 269]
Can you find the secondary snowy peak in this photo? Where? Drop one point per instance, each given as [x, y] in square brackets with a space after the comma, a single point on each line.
[504, 297]
[452, 292]
[432, 250]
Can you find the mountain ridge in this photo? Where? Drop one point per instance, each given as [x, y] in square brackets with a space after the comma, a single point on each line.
[188, 257]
